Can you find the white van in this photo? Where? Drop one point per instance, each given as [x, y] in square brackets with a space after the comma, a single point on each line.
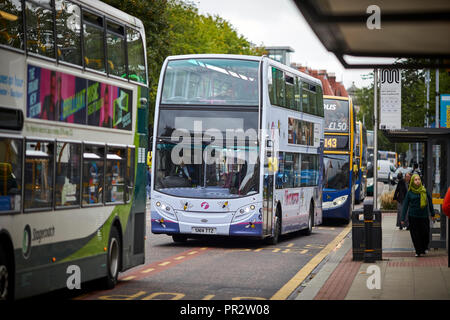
[385, 171]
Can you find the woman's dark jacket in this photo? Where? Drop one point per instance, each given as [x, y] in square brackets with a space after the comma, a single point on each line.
[400, 191]
[412, 201]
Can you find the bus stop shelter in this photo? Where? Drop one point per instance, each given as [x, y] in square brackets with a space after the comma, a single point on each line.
[436, 174]
[357, 31]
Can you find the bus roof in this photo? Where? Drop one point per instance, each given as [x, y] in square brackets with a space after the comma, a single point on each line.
[246, 57]
[97, 5]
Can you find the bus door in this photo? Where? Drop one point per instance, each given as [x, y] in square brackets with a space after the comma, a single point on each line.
[270, 167]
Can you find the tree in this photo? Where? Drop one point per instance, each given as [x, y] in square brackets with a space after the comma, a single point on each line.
[175, 27]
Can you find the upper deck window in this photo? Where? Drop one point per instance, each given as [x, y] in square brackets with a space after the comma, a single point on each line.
[94, 56]
[40, 36]
[115, 41]
[136, 56]
[11, 25]
[211, 82]
[68, 30]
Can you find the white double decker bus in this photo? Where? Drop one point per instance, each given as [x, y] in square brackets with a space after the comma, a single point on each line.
[237, 148]
[73, 139]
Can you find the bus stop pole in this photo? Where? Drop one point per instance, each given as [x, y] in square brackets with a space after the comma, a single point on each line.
[375, 139]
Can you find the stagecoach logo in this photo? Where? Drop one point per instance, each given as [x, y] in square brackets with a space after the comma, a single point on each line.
[26, 242]
[38, 235]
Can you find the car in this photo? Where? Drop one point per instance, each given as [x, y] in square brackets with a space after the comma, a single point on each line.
[386, 171]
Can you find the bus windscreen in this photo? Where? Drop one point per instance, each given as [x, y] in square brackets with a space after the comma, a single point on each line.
[211, 82]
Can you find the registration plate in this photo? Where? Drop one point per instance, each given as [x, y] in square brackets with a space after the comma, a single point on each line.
[204, 230]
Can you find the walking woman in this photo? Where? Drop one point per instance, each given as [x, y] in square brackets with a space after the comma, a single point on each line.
[418, 205]
[399, 196]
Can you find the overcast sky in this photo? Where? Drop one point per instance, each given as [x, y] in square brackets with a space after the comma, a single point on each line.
[280, 23]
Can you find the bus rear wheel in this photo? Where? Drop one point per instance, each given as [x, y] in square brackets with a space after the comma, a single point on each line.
[6, 277]
[113, 259]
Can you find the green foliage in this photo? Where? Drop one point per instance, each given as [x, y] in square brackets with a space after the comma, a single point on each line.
[175, 27]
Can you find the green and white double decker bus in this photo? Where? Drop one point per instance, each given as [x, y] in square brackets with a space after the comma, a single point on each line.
[73, 140]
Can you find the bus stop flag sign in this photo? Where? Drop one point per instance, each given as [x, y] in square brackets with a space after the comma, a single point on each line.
[390, 99]
[445, 111]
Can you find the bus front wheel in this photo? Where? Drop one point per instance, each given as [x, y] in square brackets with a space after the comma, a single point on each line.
[273, 240]
[310, 219]
[6, 277]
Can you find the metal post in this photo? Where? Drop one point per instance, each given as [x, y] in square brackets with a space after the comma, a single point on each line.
[437, 173]
[427, 81]
[375, 140]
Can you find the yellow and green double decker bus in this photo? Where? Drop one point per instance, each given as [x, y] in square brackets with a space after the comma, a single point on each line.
[73, 140]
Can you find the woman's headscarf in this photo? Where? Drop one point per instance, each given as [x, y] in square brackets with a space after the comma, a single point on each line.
[419, 190]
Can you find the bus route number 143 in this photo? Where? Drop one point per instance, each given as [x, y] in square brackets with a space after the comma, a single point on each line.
[331, 143]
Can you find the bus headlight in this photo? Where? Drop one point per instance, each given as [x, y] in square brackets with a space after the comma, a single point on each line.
[165, 210]
[339, 201]
[244, 212]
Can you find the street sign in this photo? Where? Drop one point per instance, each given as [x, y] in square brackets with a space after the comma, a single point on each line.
[445, 111]
[390, 99]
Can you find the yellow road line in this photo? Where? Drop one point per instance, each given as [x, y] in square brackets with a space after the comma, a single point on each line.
[290, 245]
[304, 251]
[301, 275]
[180, 257]
[286, 250]
[148, 270]
[276, 250]
[128, 278]
[164, 263]
[258, 250]
[192, 252]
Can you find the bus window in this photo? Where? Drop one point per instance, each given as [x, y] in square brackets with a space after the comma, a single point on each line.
[297, 94]
[290, 92]
[136, 58]
[115, 173]
[305, 98]
[68, 174]
[129, 176]
[320, 111]
[288, 176]
[39, 175]
[40, 36]
[93, 160]
[68, 28]
[11, 30]
[94, 53]
[336, 175]
[115, 44]
[10, 174]
[297, 170]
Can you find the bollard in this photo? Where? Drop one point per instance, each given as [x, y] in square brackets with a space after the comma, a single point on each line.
[366, 233]
[368, 230]
[358, 235]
